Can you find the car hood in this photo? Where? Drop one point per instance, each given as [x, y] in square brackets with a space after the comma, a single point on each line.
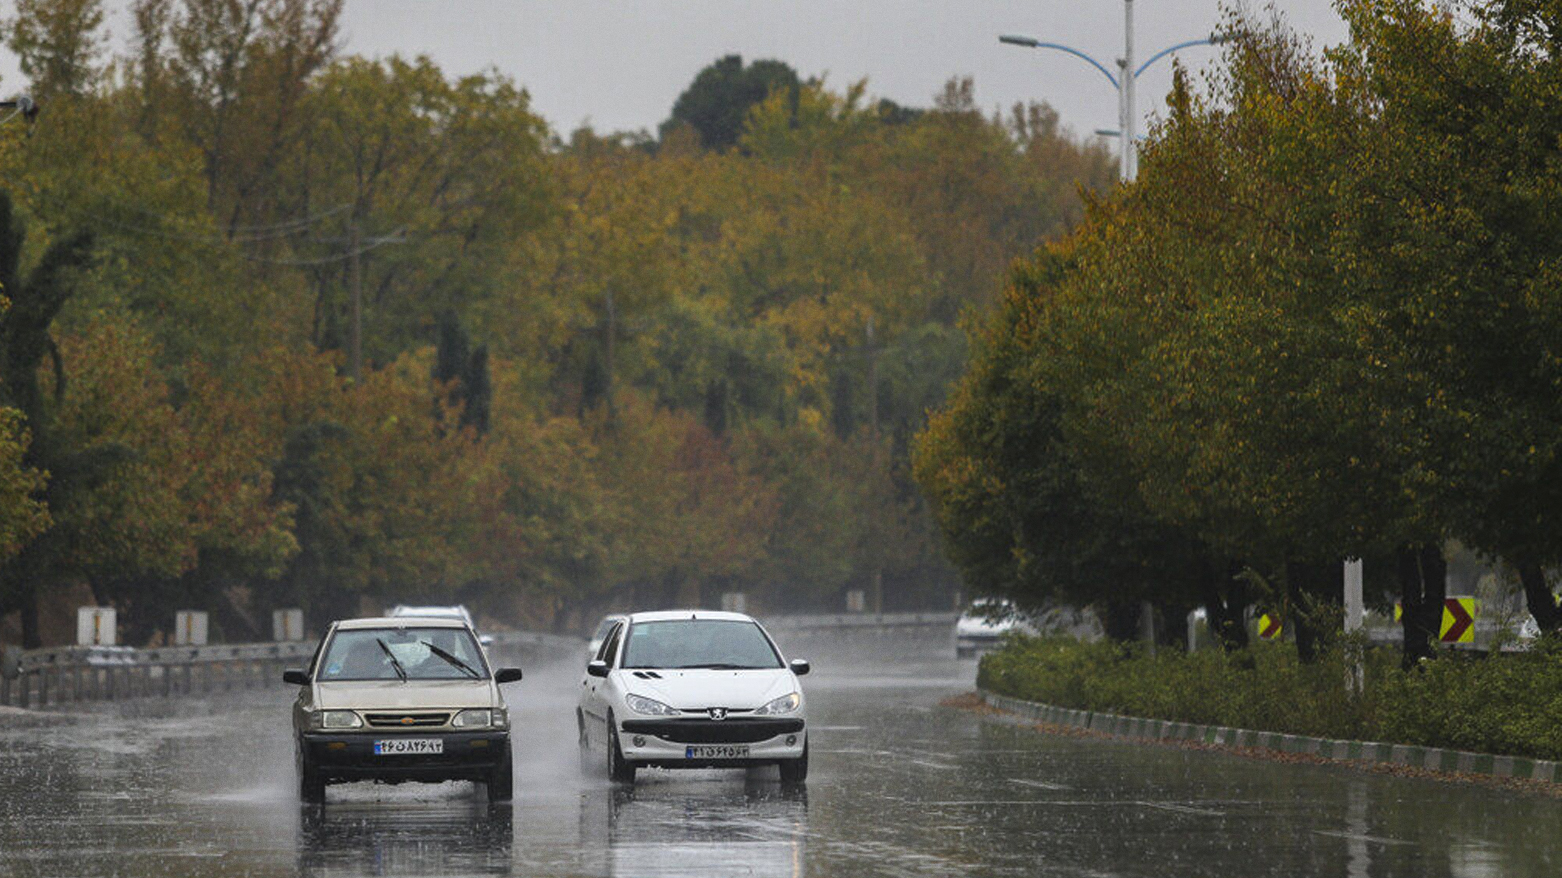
[698, 688]
[412, 695]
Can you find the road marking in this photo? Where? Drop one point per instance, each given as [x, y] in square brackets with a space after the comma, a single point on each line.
[1355, 836]
[1182, 809]
[941, 766]
[1039, 784]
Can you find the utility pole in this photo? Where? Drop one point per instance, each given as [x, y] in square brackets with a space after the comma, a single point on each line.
[873, 436]
[608, 353]
[1129, 161]
[355, 282]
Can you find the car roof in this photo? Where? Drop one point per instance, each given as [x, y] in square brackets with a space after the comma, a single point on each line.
[400, 622]
[428, 610]
[673, 615]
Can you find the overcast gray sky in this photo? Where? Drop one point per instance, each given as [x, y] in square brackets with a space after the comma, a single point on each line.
[619, 64]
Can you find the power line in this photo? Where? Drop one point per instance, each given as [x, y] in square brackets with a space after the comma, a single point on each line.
[242, 234]
[396, 237]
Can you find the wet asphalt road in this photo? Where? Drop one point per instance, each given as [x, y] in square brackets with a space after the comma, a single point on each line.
[899, 786]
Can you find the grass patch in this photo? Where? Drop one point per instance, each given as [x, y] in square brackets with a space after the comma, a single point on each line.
[1505, 703]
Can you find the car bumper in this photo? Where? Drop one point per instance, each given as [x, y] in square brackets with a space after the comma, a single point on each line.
[351, 756]
[668, 743]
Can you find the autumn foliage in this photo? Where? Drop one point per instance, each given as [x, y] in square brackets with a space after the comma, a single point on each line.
[339, 332]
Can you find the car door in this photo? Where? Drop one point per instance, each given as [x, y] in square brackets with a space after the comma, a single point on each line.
[593, 700]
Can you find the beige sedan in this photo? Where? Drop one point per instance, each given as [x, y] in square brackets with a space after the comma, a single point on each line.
[401, 699]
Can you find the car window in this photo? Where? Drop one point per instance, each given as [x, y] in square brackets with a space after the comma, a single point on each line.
[603, 628]
[610, 645]
[421, 653]
[699, 643]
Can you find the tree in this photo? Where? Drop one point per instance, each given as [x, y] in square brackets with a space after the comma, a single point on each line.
[427, 181]
[57, 44]
[717, 102]
[25, 341]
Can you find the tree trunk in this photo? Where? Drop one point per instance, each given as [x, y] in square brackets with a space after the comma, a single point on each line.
[1537, 596]
[1225, 601]
[1423, 582]
[31, 639]
[1307, 583]
[1295, 587]
[1120, 620]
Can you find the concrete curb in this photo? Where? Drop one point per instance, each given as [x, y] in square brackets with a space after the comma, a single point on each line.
[1431, 758]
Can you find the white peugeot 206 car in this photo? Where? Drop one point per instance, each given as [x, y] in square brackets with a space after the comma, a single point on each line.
[692, 689]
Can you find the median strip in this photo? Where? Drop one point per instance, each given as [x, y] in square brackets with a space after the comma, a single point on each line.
[1436, 760]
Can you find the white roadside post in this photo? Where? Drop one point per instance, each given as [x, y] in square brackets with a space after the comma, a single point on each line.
[1355, 620]
[287, 625]
[96, 626]
[190, 627]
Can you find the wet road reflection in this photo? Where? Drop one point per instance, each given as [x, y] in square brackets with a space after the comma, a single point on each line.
[900, 787]
[453, 837]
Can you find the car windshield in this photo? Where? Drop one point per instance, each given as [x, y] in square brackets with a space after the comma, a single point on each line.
[699, 643]
[402, 653]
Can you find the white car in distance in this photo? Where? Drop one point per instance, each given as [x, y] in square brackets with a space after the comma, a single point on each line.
[693, 689]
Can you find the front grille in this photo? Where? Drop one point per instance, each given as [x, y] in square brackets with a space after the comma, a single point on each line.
[708, 731]
[406, 720]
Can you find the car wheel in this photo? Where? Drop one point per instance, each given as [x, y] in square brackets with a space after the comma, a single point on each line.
[619, 769]
[501, 781]
[311, 784]
[795, 771]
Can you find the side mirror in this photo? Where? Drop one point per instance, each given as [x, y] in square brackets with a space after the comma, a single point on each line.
[596, 668]
[800, 666]
[507, 675]
[485, 640]
[296, 677]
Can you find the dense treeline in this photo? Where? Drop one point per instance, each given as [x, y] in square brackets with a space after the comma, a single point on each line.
[290, 328]
[1325, 322]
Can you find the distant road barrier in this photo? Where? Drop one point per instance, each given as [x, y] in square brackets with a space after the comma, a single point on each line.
[844, 634]
[67, 675]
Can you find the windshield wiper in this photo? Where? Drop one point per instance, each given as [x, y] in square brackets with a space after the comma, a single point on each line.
[451, 659]
[719, 666]
[400, 671]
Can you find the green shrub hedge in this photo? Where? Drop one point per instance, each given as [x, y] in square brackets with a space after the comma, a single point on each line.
[1505, 703]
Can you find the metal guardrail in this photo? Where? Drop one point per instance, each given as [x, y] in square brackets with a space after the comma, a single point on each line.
[860, 620]
[74, 674]
[104, 673]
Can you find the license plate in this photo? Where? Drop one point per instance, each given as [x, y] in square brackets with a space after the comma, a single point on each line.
[716, 751]
[408, 746]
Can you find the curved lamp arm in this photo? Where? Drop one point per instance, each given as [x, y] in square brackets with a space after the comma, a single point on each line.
[1033, 43]
[1206, 41]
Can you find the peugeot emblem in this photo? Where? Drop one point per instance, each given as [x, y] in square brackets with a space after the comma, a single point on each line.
[718, 713]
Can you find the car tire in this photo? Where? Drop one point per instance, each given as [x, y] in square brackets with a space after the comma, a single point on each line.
[501, 781]
[619, 769]
[311, 784]
[795, 771]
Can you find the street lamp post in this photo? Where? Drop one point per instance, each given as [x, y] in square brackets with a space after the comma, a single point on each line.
[1123, 82]
[21, 105]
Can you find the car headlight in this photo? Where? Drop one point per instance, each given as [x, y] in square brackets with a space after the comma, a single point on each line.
[473, 719]
[785, 704]
[340, 719]
[649, 706]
